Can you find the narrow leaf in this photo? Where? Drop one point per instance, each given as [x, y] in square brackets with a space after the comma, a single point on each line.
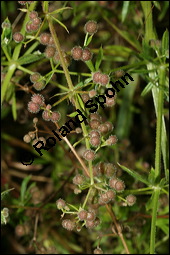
[24, 188]
[134, 174]
[125, 10]
[27, 59]
[99, 58]
[4, 193]
[61, 24]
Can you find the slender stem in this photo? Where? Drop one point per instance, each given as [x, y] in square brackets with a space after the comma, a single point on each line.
[57, 44]
[118, 227]
[159, 121]
[71, 87]
[153, 222]
[77, 156]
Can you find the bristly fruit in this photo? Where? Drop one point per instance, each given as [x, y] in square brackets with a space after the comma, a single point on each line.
[33, 107]
[89, 155]
[77, 52]
[91, 27]
[38, 99]
[18, 37]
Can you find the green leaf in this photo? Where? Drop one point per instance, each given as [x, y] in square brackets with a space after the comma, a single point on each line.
[157, 5]
[14, 109]
[149, 203]
[60, 10]
[165, 42]
[88, 40]
[73, 114]
[90, 65]
[125, 9]
[4, 193]
[99, 58]
[27, 59]
[24, 188]
[151, 176]
[146, 90]
[134, 175]
[163, 224]
[80, 102]
[58, 21]
[6, 36]
[3, 219]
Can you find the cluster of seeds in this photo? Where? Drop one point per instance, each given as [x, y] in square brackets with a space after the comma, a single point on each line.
[98, 129]
[78, 53]
[89, 217]
[25, 2]
[34, 22]
[38, 82]
[106, 197]
[91, 27]
[89, 155]
[34, 106]
[99, 78]
[18, 37]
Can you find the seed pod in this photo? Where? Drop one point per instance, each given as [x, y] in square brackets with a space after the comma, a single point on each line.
[103, 128]
[77, 52]
[98, 169]
[119, 186]
[96, 77]
[95, 141]
[38, 99]
[85, 97]
[131, 200]
[112, 140]
[22, 2]
[78, 130]
[110, 101]
[95, 116]
[90, 224]
[109, 125]
[32, 135]
[51, 41]
[37, 21]
[89, 155]
[35, 77]
[98, 250]
[5, 212]
[110, 170]
[33, 14]
[50, 51]
[86, 55]
[94, 133]
[68, 224]
[92, 93]
[60, 203]
[112, 182]
[35, 120]
[27, 138]
[55, 116]
[19, 230]
[94, 124]
[78, 179]
[18, 37]
[119, 73]
[91, 215]
[46, 115]
[33, 107]
[110, 194]
[45, 38]
[104, 79]
[82, 215]
[91, 27]
[39, 85]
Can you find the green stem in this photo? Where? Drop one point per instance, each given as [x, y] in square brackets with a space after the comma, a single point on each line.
[153, 222]
[159, 121]
[70, 85]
